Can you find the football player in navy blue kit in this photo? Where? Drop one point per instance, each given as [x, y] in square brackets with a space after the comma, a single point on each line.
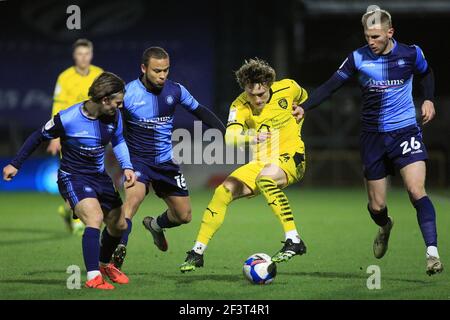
[391, 139]
[85, 129]
[148, 112]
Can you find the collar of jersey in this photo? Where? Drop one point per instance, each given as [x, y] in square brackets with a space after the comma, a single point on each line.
[80, 108]
[141, 84]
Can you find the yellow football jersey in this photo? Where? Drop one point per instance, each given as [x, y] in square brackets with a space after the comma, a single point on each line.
[72, 87]
[276, 117]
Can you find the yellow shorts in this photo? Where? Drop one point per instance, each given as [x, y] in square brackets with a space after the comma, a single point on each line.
[293, 164]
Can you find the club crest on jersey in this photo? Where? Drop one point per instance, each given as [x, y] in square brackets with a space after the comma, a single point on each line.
[283, 103]
[401, 62]
[170, 100]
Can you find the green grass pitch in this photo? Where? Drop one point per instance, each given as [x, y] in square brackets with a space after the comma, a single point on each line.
[36, 251]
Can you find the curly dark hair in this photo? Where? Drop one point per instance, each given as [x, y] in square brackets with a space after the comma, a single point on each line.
[255, 71]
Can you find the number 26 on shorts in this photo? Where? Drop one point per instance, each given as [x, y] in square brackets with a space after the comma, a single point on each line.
[409, 146]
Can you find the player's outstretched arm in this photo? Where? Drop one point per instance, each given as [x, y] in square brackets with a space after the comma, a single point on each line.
[52, 129]
[209, 118]
[324, 91]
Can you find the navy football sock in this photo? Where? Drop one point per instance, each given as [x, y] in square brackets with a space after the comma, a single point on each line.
[164, 222]
[126, 233]
[426, 217]
[380, 218]
[91, 248]
[108, 245]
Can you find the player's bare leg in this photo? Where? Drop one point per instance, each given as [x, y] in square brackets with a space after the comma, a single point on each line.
[270, 181]
[74, 226]
[133, 198]
[376, 192]
[90, 212]
[414, 179]
[213, 217]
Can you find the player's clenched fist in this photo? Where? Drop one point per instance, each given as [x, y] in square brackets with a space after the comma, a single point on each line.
[428, 111]
[54, 147]
[130, 178]
[9, 172]
[261, 136]
[298, 113]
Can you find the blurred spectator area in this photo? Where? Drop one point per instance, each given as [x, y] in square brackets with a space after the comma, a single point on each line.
[207, 41]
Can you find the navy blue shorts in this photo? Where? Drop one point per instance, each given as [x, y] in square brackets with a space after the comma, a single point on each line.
[383, 153]
[76, 187]
[166, 178]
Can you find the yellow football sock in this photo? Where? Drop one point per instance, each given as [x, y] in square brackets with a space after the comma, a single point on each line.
[214, 214]
[278, 201]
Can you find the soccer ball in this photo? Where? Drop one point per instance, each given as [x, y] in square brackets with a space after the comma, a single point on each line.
[260, 269]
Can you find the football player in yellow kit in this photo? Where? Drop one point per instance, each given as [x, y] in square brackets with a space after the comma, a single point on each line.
[262, 117]
[72, 87]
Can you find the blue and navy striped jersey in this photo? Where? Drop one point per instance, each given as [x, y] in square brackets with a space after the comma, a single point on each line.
[386, 84]
[83, 141]
[149, 119]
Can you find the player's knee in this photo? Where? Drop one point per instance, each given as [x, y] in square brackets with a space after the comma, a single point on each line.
[377, 205]
[187, 217]
[131, 205]
[416, 192]
[95, 221]
[227, 186]
[377, 201]
[121, 225]
[116, 226]
[184, 216]
[233, 187]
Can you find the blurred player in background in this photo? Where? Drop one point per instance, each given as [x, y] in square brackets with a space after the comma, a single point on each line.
[261, 116]
[149, 107]
[391, 139]
[72, 87]
[85, 129]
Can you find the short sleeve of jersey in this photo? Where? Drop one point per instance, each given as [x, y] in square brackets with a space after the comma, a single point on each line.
[127, 96]
[300, 95]
[53, 128]
[238, 114]
[421, 64]
[347, 68]
[187, 100]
